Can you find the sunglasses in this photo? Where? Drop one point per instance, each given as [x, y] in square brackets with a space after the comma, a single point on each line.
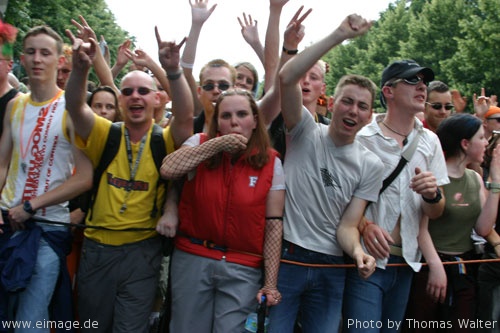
[439, 106]
[141, 90]
[413, 81]
[222, 85]
[497, 119]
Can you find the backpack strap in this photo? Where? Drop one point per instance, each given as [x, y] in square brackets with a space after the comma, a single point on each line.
[159, 151]
[108, 154]
[157, 144]
[406, 156]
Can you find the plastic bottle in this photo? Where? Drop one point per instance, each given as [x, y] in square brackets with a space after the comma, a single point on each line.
[258, 321]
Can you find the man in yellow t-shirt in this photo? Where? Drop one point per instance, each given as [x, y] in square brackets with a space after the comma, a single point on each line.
[120, 266]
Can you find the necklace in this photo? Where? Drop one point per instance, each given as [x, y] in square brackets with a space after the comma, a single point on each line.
[405, 140]
[132, 167]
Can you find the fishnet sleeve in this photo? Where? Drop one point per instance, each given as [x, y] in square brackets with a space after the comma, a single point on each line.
[186, 159]
[272, 251]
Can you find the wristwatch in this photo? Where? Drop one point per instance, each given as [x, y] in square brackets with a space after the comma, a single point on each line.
[493, 187]
[436, 199]
[28, 208]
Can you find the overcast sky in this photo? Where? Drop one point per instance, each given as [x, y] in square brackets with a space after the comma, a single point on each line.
[221, 36]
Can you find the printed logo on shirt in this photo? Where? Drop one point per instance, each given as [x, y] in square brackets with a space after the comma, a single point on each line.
[134, 185]
[253, 181]
[328, 179]
[459, 200]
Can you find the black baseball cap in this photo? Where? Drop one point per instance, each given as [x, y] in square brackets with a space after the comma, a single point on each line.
[403, 69]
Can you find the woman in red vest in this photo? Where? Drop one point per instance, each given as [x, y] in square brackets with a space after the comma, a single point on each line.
[230, 220]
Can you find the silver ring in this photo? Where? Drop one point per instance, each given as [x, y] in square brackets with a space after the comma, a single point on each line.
[375, 240]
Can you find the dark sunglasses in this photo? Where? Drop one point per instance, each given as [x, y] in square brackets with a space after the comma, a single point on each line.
[497, 119]
[413, 81]
[141, 90]
[222, 85]
[439, 106]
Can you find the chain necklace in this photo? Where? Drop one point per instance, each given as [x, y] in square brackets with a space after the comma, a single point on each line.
[405, 140]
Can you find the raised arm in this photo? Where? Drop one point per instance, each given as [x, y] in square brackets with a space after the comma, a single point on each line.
[186, 159]
[105, 51]
[291, 105]
[272, 43]
[142, 59]
[101, 67]
[76, 88]
[482, 103]
[182, 103]
[250, 33]
[294, 33]
[199, 14]
[121, 58]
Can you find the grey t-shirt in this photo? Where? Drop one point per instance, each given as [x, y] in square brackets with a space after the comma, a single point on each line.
[320, 181]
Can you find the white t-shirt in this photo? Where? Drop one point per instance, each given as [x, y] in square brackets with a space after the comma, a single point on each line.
[321, 180]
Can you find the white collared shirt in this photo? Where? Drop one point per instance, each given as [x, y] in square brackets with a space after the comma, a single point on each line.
[398, 199]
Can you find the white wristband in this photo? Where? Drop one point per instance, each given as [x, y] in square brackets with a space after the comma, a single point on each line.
[186, 65]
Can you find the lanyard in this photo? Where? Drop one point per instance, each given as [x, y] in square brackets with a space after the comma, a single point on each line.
[40, 122]
[133, 166]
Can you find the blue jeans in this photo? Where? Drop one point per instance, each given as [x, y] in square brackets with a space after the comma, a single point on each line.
[377, 304]
[32, 304]
[315, 293]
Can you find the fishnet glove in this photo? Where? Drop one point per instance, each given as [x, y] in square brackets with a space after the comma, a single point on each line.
[184, 160]
[272, 255]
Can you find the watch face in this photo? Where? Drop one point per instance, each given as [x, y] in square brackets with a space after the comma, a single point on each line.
[27, 207]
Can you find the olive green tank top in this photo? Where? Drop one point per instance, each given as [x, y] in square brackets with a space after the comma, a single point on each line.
[452, 231]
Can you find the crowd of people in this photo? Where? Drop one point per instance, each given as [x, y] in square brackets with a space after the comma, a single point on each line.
[173, 203]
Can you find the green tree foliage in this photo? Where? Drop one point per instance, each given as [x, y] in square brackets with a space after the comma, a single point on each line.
[432, 44]
[474, 65]
[458, 39]
[25, 14]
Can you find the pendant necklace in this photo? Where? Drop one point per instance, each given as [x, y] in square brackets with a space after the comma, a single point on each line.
[405, 140]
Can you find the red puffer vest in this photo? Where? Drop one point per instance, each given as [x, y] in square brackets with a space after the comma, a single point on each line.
[227, 207]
